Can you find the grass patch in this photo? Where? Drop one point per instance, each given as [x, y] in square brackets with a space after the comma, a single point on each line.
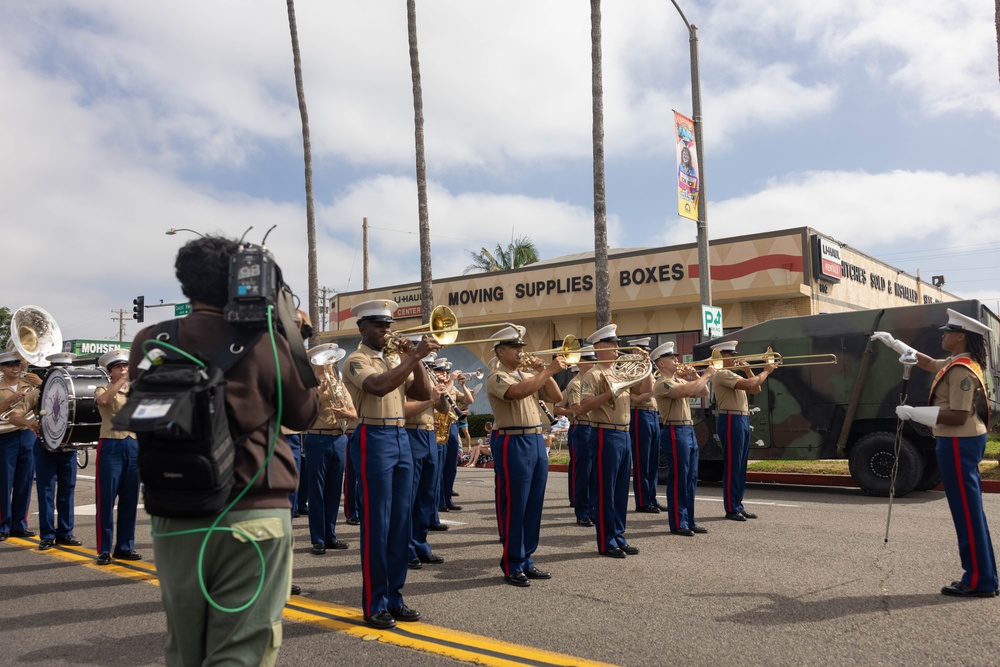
[820, 467]
[559, 458]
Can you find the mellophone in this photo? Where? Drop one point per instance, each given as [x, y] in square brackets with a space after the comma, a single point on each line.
[68, 414]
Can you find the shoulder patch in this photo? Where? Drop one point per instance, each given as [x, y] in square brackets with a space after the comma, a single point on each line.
[356, 367]
[965, 384]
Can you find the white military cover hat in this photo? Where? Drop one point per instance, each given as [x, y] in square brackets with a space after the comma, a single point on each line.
[8, 357]
[509, 335]
[377, 310]
[606, 334]
[575, 368]
[587, 352]
[113, 358]
[640, 342]
[441, 364]
[964, 323]
[61, 359]
[662, 351]
[725, 346]
[429, 359]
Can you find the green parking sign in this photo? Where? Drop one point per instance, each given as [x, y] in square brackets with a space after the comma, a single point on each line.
[711, 318]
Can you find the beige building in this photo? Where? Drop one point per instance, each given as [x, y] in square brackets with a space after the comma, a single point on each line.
[654, 291]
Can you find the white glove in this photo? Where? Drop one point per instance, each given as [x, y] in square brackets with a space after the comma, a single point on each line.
[926, 415]
[897, 345]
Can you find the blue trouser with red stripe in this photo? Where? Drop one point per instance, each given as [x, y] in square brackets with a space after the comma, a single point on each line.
[450, 469]
[958, 459]
[423, 449]
[644, 431]
[385, 474]
[522, 470]
[327, 456]
[681, 451]
[17, 467]
[569, 478]
[612, 449]
[734, 432]
[55, 478]
[117, 477]
[583, 471]
[352, 494]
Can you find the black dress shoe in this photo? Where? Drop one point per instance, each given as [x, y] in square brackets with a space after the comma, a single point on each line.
[437, 526]
[586, 523]
[414, 564]
[519, 579]
[958, 589]
[748, 515]
[648, 509]
[296, 590]
[454, 508]
[337, 544]
[735, 516]
[663, 508]
[104, 559]
[405, 614]
[382, 620]
[319, 548]
[443, 508]
[699, 530]
[3, 536]
[686, 532]
[535, 573]
[127, 555]
[22, 533]
[630, 550]
[431, 558]
[614, 553]
[45, 545]
[68, 541]
[354, 521]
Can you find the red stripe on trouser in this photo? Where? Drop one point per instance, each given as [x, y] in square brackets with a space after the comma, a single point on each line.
[601, 530]
[974, 578]
[367, 522]
[677, 479]
[506, 509]
[727, 493]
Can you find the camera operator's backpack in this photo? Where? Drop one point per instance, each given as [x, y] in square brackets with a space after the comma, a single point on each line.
[177, 410]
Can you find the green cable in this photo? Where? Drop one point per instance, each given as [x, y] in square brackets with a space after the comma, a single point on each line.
[215, 524]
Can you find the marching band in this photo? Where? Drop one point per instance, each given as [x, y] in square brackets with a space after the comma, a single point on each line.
[386, 422]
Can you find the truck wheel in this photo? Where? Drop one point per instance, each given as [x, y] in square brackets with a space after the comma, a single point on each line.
[710, 471]
[931, 476]
[871, 464]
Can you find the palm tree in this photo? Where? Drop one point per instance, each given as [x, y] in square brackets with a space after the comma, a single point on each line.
[519, 252]
[426, 296]
[602, 279]
[307, 156]
[998, 36]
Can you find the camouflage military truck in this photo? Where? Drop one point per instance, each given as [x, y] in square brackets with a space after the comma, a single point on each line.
[847, 410]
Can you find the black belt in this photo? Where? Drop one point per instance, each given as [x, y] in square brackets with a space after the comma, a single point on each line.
[326, 431]
[678, 422]
[646, 409]
[734, 412]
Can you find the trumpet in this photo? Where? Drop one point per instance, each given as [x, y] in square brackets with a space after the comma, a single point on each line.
[478, 374]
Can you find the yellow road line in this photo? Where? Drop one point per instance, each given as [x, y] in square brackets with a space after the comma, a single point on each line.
[454, 644]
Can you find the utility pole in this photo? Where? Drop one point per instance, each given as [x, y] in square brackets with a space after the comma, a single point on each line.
[326, 293]
[121, 323]
[364, 251]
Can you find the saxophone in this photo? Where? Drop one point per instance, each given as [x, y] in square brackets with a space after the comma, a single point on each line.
[442, 425]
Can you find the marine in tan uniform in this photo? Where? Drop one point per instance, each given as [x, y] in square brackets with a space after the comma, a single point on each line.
[18, 432]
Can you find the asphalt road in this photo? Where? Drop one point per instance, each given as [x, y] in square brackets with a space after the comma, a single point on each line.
[810, 582]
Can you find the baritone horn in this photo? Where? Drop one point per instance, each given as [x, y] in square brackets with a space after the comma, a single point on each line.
[328, 359]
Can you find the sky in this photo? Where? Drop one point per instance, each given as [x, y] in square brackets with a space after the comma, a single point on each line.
[877, 124]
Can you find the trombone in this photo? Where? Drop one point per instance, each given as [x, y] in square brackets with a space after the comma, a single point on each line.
[443, 328]
[570, 350]
[768, 358]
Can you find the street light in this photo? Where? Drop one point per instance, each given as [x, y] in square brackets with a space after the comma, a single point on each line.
[173, 230]
[704, 268]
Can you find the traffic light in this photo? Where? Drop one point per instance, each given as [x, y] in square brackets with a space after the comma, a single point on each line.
[138, 308]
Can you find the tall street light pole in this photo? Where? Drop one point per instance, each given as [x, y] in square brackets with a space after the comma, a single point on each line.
[704, 268]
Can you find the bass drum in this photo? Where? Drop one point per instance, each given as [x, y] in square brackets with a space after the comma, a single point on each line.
[71, 418]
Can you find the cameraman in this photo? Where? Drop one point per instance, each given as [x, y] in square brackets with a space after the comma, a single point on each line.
[196, 631]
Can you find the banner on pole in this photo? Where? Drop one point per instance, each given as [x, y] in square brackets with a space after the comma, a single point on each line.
[687, 167]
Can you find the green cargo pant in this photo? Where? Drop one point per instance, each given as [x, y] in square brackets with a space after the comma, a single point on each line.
[199, 634]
